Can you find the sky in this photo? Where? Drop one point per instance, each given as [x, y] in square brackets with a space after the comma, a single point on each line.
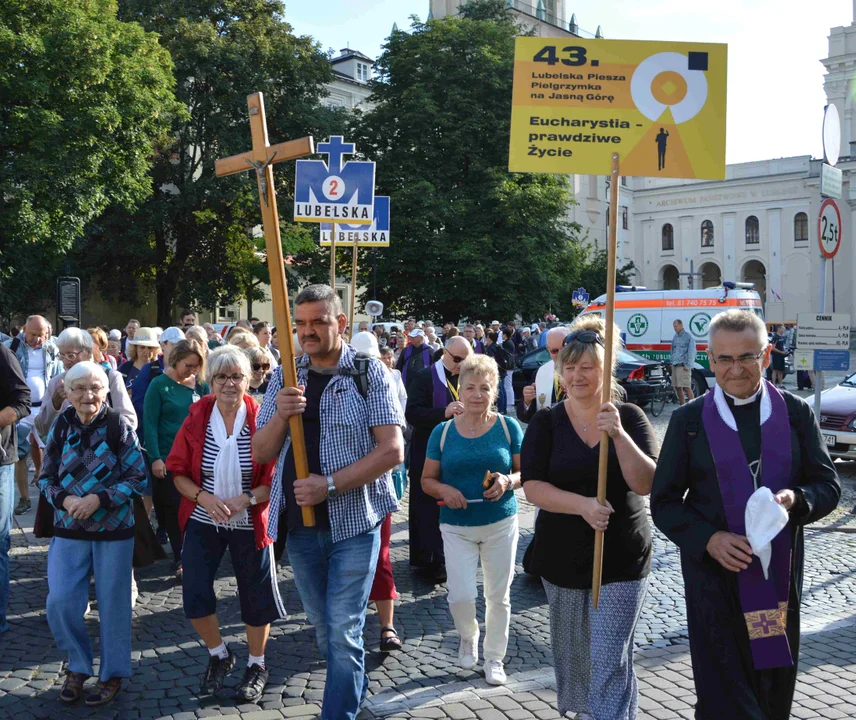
[775, 77]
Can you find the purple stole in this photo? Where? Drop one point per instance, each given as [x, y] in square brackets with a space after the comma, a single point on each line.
[478, 347]
[441, 391]
[408, 351]
[764, 602]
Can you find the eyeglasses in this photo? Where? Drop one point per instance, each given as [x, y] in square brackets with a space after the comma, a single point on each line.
[584, 336]
[188, 366]
[257, 367]
[456, 358]
[70, 355]
[746, 361]
[236, 379]
[78, 391]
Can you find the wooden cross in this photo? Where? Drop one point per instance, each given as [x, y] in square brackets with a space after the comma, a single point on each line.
[261, 159]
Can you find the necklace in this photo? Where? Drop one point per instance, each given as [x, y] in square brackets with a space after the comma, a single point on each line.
[473, 430]
[585, 426]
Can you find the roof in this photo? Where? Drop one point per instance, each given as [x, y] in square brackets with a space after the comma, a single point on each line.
[348, 54]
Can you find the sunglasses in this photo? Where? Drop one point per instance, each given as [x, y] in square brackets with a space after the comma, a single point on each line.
[456, 358]
[257, 367]
[584, 336]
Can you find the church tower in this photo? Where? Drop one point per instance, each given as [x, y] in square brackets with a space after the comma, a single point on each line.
[551, 13]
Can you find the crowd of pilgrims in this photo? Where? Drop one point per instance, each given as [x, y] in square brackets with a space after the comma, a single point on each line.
[194, 428]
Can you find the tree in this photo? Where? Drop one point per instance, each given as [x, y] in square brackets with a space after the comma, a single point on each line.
[470, 239]
[192, 240]
[591, 275]
[85, 98]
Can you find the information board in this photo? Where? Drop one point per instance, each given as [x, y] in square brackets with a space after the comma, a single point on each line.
[68, 299]
[660, 105]
[823, 342]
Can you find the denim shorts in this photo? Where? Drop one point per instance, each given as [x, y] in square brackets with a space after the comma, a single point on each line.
[255, 571]
[23, 431]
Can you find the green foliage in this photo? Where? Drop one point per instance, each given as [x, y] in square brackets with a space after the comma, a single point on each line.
[591, 275]
[192, 238]
[85, 98]
[469, 238]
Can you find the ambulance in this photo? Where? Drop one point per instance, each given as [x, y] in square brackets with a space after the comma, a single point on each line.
[645, 318]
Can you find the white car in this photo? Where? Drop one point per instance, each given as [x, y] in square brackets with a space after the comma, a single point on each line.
[838, 418]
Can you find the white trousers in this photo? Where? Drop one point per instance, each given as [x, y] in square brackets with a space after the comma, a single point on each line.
[509, 392]
[496, 545]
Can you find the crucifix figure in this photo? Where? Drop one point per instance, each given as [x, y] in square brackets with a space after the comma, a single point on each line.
[261, 159]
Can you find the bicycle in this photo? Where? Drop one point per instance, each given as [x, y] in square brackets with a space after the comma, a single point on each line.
[665, 394]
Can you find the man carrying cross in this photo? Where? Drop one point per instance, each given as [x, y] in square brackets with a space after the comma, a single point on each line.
[743, 618]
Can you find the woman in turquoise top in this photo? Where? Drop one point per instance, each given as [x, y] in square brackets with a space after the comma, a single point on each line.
[167, 404]
[473, 467]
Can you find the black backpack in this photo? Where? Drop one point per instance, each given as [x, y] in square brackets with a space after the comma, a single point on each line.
[114, 430]
[360, 371]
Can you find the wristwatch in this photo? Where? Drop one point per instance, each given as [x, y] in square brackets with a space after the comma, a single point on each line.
[331, 487]
[253, 499]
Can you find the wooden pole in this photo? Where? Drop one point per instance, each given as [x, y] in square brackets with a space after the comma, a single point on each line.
[333, 256]
[353, 289]
[262, 158]
[597, 568]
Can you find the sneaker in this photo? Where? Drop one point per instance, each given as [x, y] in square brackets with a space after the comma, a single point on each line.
[252, 685]
[468, 652]
[23, 506]
[215, 673]
[494, 673]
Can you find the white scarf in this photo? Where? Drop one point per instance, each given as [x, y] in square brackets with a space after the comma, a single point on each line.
[227, 465]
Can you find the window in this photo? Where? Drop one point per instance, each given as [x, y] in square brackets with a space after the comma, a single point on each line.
[753, 231]
[801, 227]
[707, 234]
[623, 181]
[668, 237]
[362, 72]
[624, 218]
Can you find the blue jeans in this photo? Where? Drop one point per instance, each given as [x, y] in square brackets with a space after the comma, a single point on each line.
[7, 506]
[70, 565]
[334, 581]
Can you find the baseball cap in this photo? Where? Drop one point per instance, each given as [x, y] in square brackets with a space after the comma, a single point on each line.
[145, 336]
[172, 334]
[417, 332]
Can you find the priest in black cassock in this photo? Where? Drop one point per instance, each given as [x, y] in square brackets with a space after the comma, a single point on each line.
[431, 399]
[743, 622]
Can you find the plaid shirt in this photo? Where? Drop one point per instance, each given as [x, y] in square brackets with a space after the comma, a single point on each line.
[346, 437]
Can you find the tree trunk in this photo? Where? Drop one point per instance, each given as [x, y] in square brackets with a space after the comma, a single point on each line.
[250, 304]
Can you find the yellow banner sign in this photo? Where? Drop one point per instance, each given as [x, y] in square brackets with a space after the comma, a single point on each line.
[659, 105]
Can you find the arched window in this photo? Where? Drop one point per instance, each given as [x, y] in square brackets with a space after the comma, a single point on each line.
[668, 237]
[801, 227]
[753, 231]
[707, 234]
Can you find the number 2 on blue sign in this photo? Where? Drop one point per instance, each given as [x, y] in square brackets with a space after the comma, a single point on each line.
[548, 54]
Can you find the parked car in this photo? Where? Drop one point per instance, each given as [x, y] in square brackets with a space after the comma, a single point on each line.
[838, 418]
[641, 378]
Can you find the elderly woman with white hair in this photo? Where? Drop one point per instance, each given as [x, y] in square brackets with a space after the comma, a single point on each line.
[260, 364]
[92, 471]
[224, 506]
[473, 467]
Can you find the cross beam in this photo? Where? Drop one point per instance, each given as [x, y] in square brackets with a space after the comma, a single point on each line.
[261, 159]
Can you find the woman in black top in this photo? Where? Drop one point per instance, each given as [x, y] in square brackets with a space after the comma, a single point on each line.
[592, 649]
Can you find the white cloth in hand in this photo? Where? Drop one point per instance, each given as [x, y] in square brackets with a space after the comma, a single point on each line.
[765, 518]
[227, 465]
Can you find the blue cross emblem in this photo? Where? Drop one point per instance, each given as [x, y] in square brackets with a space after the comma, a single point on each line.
[334, 148]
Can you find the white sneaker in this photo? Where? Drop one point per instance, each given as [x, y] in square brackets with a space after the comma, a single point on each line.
[134, 593]
[468, 652]
[494, 673]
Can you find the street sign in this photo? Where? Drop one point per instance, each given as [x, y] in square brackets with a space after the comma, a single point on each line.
[830, 331]
[831, 360]
[803, 359]
[829, 228]
[68, 299]
[374, 235]
[831, 134]
[659, 105]
[580, 298]
[333, 191]
[830, 181]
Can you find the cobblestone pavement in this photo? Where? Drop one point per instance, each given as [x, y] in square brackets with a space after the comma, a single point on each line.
[423, 681]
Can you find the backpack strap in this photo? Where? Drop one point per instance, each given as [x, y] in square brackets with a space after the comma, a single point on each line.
[443, 435]
[114, 430]
[361, 376]
[505, 429]
[15, 344]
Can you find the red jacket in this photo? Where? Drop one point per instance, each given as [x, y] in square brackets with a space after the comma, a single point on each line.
[185, 458]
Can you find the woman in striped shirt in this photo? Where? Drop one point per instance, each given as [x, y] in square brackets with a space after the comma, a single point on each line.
[224, 506]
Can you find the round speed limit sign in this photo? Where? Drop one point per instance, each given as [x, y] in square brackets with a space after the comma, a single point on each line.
[829, 228]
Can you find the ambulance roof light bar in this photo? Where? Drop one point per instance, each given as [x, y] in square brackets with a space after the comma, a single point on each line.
[630, 288]
[730, 285]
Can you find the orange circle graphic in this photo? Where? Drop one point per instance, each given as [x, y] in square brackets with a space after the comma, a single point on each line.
[669, 88]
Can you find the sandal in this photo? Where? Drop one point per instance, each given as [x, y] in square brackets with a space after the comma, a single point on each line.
[389, 643]
[72, 687]
[104, 692]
